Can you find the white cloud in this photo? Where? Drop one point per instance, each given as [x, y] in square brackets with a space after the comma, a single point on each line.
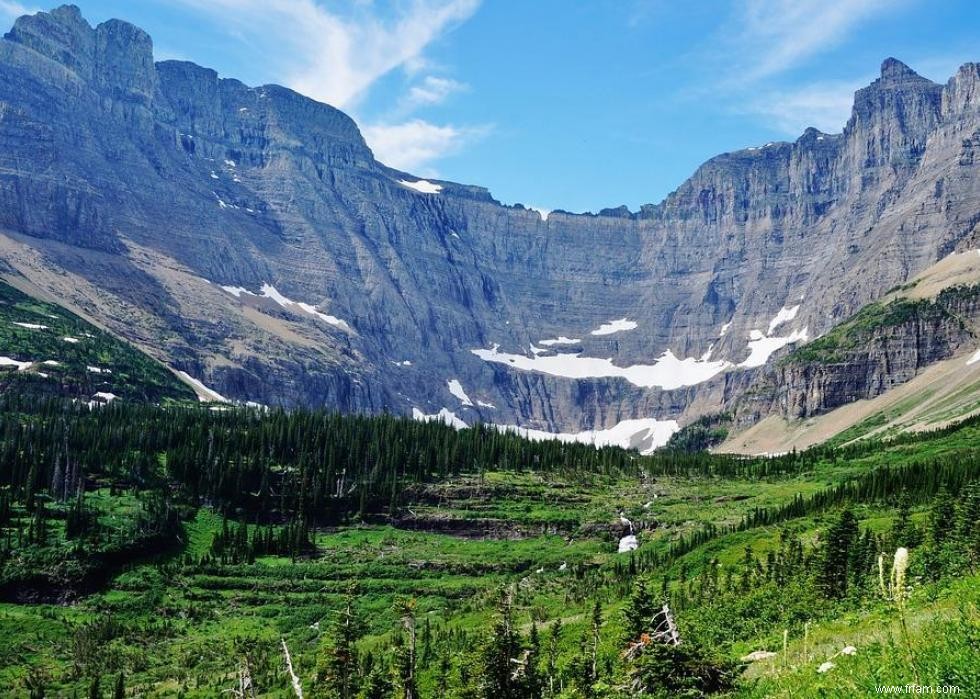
[335, 53]
[332, 56]
[777, 35]
[13, 10]
[432, 90]
[825, 105]
[413, 145]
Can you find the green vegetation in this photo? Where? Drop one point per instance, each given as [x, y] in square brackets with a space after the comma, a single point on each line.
[61, 355]
[153, 547]
[702, 434]
[182, 551]
[875, 318]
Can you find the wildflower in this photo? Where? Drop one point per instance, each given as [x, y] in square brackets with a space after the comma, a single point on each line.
[849, 650]
[899, 568]
[825, 667]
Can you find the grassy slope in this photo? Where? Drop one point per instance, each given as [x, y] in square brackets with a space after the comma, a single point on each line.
[943, 393]
[64, 349]
[178, 625]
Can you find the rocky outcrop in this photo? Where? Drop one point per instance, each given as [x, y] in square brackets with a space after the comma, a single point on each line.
[135, 191]
[883, 346]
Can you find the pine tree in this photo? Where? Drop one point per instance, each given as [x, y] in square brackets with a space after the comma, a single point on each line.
[639, 611]
[502, 657]
[837, 556]
[337, 674]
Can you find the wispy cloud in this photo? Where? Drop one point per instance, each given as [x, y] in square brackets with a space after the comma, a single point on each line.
[757, 55]
[825, 105]
[13, 10]
[414, 144]
[777, 35]
[335, 53]
[432, 90]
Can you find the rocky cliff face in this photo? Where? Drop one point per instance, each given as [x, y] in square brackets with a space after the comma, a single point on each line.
[248, 237]
[883, 346]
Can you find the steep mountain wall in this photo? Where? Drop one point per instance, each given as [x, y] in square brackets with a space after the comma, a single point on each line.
[248, 236]
[883, 346]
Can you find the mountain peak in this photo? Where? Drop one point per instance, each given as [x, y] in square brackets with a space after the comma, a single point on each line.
[67, 12]
[894, 69]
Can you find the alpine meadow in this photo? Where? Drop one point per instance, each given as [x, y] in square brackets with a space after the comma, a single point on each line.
[281, 420]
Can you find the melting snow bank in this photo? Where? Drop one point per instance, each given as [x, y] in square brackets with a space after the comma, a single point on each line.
[204, 394]
[761, 347]
[21, 366]
[784, 316]
[975, 358]
[560, 340]
[667, 373]
[423, 186]
[456, 388]
[644, 434]
[445, 415]
[270, 292]
[615, 326]
[628, 543]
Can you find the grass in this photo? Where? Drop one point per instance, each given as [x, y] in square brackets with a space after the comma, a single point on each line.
[176, 624]
[127, 373]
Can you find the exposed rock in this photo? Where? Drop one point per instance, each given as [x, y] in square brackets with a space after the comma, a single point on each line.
[135, 191]
[881, 347]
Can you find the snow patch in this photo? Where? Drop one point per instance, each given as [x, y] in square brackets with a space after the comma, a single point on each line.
[32, 326]
[560, 340]
[21, 366]
[71, 340]
[456, 388]
[645, 434]
[204, 394]
[544, 213]
[784, 316]
[270, 292]
[97, 370]
[445, 416]
[761, 347]
[974, 359]
[491, 406]
[423, 186]
[667, 373]
[724, 329]
[105, 396]
[615, 326]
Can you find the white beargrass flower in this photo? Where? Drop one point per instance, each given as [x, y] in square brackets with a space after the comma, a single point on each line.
[899, 567]
[826, 666]
[849, 650]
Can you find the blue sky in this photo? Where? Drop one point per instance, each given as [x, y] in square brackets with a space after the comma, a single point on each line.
[566, 104]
